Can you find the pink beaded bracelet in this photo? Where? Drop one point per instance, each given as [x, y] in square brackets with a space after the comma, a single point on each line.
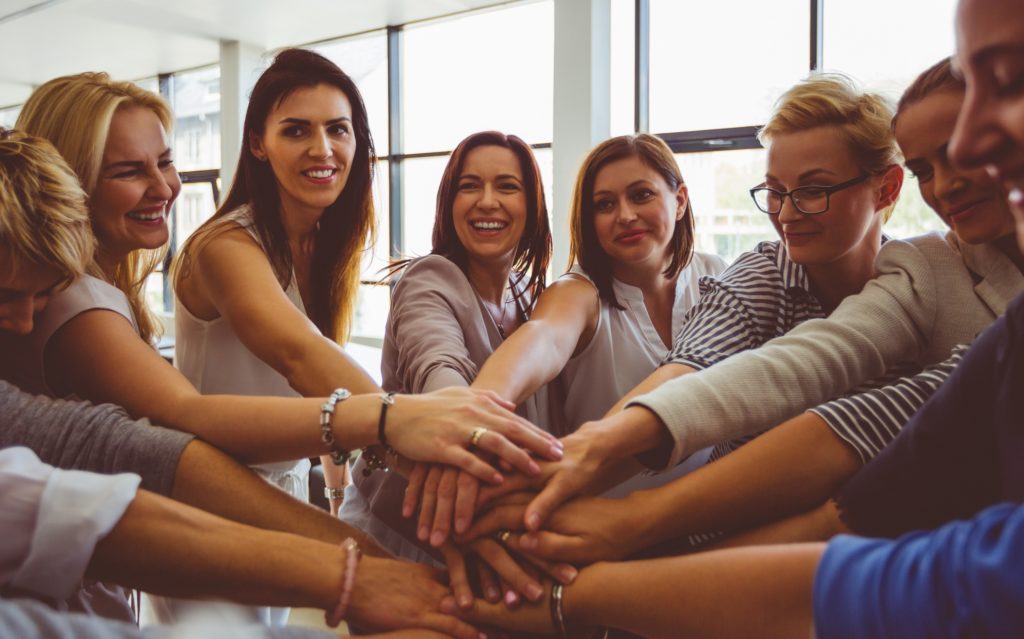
[352, 556]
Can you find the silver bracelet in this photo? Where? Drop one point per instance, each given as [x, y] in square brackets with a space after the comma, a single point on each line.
[557, 616]
[338, 455]
[334, 493]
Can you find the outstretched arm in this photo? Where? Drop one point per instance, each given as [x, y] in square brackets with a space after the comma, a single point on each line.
[563, 322]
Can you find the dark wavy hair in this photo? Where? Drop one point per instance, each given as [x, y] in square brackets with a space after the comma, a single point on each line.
[533, 253]
[584, 247]
[347, 227]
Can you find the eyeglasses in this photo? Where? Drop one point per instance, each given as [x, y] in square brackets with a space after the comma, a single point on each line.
[809, 200]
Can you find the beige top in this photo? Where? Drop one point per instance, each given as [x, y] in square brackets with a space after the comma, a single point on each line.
[931, 294]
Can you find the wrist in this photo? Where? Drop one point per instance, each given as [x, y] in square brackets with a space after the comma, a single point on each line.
[630, 432]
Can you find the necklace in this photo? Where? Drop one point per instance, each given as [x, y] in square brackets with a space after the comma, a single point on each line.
[499, 321]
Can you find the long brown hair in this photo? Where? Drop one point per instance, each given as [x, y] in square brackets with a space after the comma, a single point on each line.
[584, 248]
[346, 228]
[533, 252]
[938, 77]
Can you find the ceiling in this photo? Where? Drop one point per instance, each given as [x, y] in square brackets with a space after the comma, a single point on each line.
[131, 39]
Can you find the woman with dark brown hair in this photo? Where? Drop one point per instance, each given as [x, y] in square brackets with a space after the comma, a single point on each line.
[452, 308]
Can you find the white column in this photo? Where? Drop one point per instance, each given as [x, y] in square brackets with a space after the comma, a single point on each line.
[581, 109]
[240, 67]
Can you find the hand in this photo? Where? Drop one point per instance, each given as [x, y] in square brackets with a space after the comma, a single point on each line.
[390, 595]
[589, 465]
[443, 492]
[437, 427]
[503, 575]
[582, 531]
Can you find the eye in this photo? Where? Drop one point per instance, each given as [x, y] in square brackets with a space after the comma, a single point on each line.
[293, 131]
[1008, 76]
[165, 163]
[604, 205]
[509, 187]
[921, 173]
[467, 186]
[641, 195]
[126, 174]
[339, 129]
[812, 191]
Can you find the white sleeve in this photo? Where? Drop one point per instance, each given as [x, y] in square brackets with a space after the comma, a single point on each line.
[52, 520]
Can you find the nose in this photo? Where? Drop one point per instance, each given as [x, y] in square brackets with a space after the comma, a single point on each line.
[948, 181]
[487, 198]
[789, 213]
[320, 145]
[625, 211]
[977, 138]
[160, 187]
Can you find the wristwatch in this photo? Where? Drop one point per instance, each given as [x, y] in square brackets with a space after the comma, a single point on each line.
[334, 493]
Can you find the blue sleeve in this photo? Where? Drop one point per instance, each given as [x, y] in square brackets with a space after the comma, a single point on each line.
[965, 579]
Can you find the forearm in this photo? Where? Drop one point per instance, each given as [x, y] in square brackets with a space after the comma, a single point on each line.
[210, 480]
[698, 595]
[202, 555]
[319, 367]
[819, 524]
[788, 470]
[661, 375]
[270, 429]
[527, 360]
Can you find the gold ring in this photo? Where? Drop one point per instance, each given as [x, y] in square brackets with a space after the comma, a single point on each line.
[474, 437]
[504, 535]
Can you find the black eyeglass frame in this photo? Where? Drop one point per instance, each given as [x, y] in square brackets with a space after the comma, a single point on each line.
[795, 197]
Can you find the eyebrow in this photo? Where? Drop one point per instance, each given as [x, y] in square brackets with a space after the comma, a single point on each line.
[641, 181]
[134, 163]
[343, 118]
[503, 176]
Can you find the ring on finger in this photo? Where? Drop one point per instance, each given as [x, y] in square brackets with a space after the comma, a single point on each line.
[474, 437]
[504, 535]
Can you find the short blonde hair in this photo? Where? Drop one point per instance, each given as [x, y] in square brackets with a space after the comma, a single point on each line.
[74, 113]
[44, 220]
[834, 99]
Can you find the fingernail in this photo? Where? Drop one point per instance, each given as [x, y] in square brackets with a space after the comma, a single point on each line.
[448, 606]
[533, 468]
[460, 525]
[534, 591]
[557, 452]
[466, 601]
[423, 533]
[437, 538]
[481, 636]
[491, 593]
[528, 542]
[511, 598]
[533, 521]
[497, 478]
[567, 575]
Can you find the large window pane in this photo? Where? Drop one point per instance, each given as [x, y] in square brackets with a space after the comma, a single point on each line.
[488, 70]
[885, 44]
[197, 119]
[623, 67]
[726, 219]
[194, 206]
[365, 59]
[420, 179]
[723, 64]
[149, 84]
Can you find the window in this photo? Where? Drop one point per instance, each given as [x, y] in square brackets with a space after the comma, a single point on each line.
[483, 71]
[197, 119]
[365, 59]
[722, 64]
[9, 116]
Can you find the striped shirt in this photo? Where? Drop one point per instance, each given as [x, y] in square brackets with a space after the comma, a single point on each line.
[763, 295]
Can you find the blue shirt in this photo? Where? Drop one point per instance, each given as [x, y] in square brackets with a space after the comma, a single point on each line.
[965, 579]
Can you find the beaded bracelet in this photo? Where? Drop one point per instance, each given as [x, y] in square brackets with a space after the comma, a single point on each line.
[352, 557]
[373, 460]
[338, 455]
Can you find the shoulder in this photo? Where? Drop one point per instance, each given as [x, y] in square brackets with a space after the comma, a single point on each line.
[432, 272]
[754, 268]
[87, 293]
[931, 247]
[707, 264]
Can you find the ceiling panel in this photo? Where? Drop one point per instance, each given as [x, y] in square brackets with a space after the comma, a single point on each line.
[133, 39]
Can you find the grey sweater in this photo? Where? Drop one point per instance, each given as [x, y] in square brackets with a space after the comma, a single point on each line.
[76, 435]
[931, 294]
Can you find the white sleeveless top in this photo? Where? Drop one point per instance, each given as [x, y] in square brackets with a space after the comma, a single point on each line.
[210, 355]
[625, 347]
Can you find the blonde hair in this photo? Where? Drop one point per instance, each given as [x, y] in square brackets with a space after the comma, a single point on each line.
[74, 113]
[833, 99]
[44, 220]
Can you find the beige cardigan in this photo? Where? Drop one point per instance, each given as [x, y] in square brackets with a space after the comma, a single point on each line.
[931, 294]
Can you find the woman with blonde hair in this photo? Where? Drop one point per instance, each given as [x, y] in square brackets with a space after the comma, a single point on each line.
[89, 343]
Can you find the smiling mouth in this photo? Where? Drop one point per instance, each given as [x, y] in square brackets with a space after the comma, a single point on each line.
[488, 225]
[149, 215]
[630, 236]
[965, 211]
[320, 174]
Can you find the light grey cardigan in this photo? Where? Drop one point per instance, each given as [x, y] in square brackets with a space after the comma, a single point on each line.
[931, 294]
